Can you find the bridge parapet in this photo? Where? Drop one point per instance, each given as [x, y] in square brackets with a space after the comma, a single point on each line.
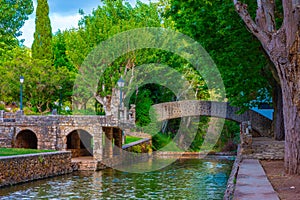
[67, 120]
[48, 120]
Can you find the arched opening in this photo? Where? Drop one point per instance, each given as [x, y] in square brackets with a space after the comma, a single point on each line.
[80, 143]
[26, 139]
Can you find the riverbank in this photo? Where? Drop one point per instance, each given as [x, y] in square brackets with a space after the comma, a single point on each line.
[185, 178]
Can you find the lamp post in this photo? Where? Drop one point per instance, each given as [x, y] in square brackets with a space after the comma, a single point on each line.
[121, 84]
[21, 92]
[60, 100]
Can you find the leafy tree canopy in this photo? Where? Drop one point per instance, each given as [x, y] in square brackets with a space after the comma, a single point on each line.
[13, 14]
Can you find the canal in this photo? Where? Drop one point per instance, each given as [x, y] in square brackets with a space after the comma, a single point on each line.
[184, 179]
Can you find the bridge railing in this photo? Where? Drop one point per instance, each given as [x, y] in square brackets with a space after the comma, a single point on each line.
[20, 118]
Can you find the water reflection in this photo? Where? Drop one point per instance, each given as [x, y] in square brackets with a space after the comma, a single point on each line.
[184, 179]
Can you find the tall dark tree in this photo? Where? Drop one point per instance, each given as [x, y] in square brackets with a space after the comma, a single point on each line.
[282, 45]
[42, 44]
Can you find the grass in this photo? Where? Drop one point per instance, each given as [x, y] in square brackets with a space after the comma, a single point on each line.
[20, 151]
[130, 139]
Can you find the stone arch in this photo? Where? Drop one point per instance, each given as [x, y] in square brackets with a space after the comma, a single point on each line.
[26, 139]
[80, 143]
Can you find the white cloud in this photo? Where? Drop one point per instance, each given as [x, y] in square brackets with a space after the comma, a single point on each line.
[60, 21]
[64, 22]
[57, 22]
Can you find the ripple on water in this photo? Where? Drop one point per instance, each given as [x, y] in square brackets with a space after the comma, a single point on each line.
[188, 179]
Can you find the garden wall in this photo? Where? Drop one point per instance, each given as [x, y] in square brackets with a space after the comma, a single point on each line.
[23, 168]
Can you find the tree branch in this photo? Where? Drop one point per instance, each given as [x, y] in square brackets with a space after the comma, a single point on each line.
[263, 36]
[100, 99]
[265, 18]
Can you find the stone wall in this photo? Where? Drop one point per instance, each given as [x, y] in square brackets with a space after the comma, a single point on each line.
[23, 168]
[6, 136]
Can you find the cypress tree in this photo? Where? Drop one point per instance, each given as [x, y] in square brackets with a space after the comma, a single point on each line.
[42, 44]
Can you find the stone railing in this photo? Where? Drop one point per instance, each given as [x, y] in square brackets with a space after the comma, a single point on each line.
[23, 168]
[10, 117]
[19, 118]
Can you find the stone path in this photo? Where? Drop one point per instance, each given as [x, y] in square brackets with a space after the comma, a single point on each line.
[252, 182]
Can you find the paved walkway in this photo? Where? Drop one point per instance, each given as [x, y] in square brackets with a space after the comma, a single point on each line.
[252, 182]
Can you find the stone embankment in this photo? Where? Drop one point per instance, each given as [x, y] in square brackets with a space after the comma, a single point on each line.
[23, 168]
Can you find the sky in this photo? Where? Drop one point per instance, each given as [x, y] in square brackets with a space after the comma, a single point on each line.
[63, 15]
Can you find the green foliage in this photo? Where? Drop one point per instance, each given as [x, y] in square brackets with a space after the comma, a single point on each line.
[12, 18]
[200, 135]
[218, 28]
[227, 141]
[143, 105]
[42, 44]
[107, 20]
[60, 52]
[229, 138]
[164, 142]
[41, 159]
[136, 149]
[41, 88]
[2, 107]
[160, 140]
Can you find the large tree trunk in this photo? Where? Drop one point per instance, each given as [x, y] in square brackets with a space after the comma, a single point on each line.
[289, 74]
[283, 47]
[278, 121]
[292, 128]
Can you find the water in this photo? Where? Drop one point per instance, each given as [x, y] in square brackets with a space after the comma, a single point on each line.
[184, 179]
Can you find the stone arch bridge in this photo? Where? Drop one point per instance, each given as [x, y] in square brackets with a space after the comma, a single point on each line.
[260, 124]
[82, 135]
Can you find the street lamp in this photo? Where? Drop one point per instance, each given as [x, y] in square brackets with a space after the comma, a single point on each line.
[21, 92]
[60, 100]
[121, 84]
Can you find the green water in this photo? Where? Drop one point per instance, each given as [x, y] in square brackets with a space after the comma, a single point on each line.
[184, 179]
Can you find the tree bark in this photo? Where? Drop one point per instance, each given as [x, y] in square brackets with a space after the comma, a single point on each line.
[292, 136]
[290, 81]
[278, 121]
[283, 48]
